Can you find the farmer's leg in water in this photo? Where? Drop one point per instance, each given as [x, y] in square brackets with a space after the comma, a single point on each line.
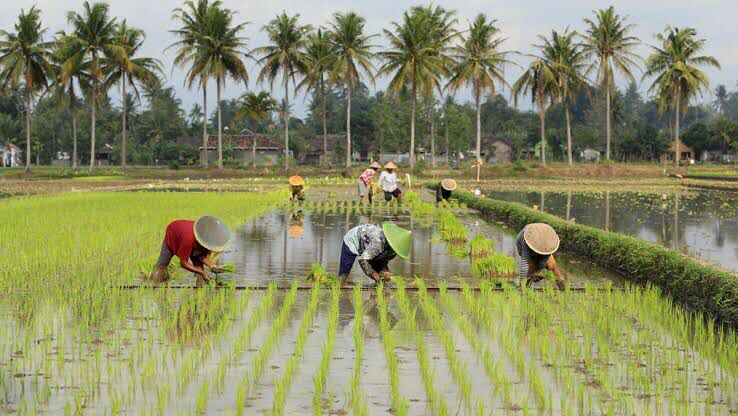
[161, 272]
[346, 262]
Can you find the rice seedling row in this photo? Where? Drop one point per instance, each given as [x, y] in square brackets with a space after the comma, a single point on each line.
[321, 374]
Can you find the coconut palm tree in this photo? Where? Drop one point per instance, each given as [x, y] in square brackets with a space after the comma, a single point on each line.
[480, 64]
[257, 107]
[285, 54]
[352, 57]
[567, 59]
[193, 17]
[125, 68]
[675, 66]
[318, 55]
[92, 39]
[609, 43]
[415, 59]
[539, 81]
[26, 57]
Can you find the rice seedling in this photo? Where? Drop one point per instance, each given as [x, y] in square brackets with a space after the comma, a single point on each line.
[358, 403]
[495, 266]
[400, 405]
[451, 229]
[320, 376]
[480, 246]
[318, 274]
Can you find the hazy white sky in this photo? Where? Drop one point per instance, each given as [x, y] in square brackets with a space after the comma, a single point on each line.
[520, 20]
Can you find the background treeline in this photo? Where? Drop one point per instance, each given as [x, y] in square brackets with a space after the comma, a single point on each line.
[63, 82]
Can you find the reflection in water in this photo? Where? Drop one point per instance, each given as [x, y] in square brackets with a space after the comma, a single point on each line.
[700, 224]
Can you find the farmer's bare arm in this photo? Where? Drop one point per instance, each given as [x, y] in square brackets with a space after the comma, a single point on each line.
[206, 261]
[194, 269]
[554, 267]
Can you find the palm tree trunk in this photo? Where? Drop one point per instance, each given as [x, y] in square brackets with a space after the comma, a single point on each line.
[74, 139]
[677, 153]
[542, 115]
[28, 130]
[478, 106]
[348, 125]
[568, 133]
[445, 117]
[93, 113]
[220, 125]
[253, 153]
[412, 127]
[324, 114]
[204, 152]
[125, 115]
[286, 121]
[433, 134]
[608, 121]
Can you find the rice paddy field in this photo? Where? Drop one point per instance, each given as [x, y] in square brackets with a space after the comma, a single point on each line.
[451, 334]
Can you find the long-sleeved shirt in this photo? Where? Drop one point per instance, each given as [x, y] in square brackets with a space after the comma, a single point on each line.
[388, 181]
[442, 194]
[368, 176]
[526, 257]
[368, 242]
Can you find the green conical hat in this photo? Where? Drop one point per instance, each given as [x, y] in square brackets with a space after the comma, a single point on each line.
[212, 234]
[398, 238]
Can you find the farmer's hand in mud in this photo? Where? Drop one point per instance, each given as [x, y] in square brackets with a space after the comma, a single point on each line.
[386, 275]
[375, 276]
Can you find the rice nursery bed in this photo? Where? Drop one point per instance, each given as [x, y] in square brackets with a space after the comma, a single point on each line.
[72, 342]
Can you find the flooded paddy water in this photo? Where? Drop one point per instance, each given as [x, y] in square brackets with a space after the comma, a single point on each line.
[611, 349]
[701, 224]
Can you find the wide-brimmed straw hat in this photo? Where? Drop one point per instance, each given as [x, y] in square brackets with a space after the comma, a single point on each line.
[541, 238]
[212, 234]
[375, 165]
[448, 184]
[296, 230]
[390, 165]
[398, 238]
[296, 180]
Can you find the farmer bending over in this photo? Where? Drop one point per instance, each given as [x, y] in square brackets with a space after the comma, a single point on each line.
[375, 246]
[443, 190]
[366, 181]
[536, 244]
[296, 188]
[192, 242]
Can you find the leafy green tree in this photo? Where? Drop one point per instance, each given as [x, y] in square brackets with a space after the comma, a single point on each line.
[70, 79]
[257, 107]
[318, 55]
[567, 60]
[540, 82]
[352, 55]
[721, 99]
[609, 43]
[675, 66]
[286, 54]
[124, 67]
[415, 59]
[723, 131]
[26, 56]
[480, 63]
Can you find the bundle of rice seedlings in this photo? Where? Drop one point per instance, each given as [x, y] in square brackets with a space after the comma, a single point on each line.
[496, 266]
[227, 268]
[481, 246]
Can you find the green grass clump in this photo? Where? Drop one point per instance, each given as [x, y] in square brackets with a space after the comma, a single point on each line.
[481, 246]
[318, 274]
[452, 230]
[495, 266]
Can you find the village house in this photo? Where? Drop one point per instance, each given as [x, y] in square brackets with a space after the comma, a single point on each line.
[496, 151]
[250, 149]
[686, 153]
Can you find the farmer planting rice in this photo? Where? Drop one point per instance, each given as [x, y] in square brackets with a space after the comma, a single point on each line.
[366, 181]
[388, 183]
[375, 246]
[536, 244]
[444, 189]
[192, 242]
[296, 188]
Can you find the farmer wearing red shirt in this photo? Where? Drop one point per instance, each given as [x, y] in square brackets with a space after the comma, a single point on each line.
[366, 181]
[192, 242]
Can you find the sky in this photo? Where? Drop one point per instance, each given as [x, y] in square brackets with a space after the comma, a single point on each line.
[521, 21]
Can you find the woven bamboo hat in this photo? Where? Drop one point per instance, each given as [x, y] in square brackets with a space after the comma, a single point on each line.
[541, 238]
[212, 234]
[296, 180]
[390, 165]
[375, 165]
[296, 230]
[448, 184]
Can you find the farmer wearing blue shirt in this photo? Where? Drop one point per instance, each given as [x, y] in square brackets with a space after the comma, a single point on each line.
[536, 244]
[375, 246]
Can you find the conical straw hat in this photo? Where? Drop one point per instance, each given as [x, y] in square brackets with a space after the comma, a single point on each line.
[448, 184]
[375, 165]
[390, 165]
[296, 230]
[541, 238]
[296, 180]
[212, 234]
[398, 238]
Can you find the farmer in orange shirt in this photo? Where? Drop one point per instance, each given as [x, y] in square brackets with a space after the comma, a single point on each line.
[192, 242]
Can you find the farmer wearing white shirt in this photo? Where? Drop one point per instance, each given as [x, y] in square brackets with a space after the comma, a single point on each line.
[388, 183]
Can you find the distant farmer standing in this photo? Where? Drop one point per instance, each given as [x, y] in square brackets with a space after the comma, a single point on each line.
[366, 181]
[375, 246]
[444, 189]
[388, 182]
[296, 188]
[192, 242]
[536, 244]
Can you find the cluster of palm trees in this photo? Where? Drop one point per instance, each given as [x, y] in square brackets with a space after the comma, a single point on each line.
[98, 53]
[427, 54]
